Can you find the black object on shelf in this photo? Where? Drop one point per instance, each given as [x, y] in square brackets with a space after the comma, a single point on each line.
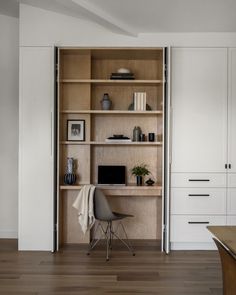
[122, 76]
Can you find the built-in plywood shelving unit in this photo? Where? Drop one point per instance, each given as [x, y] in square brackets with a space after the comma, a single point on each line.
[84, 77]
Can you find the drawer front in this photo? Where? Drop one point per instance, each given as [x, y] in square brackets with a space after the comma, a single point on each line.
[232, 180]
[198, 180]
[231, 220]
[192, 228]
[198, 201]
[231, 201]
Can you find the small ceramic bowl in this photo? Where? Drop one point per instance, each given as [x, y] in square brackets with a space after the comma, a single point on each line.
[123, 71]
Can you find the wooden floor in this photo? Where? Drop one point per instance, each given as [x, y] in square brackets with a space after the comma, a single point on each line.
[71, 271]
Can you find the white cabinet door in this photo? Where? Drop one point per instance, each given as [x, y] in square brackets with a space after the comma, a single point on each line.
[232, 111]
[35, 149]
[199, 102]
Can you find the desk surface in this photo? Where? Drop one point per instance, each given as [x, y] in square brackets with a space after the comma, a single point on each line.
[226, 234]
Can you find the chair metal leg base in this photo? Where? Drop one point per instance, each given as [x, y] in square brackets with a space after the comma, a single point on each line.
[109, 235]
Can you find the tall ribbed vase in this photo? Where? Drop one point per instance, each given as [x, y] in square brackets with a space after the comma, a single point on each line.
[70, 177]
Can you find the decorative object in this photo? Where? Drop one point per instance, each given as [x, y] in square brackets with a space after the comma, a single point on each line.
[106, 102]
[76, 130]
[70, 177]
[151, 136]
[136, 133]
[142, 137]
[123, 71]
[139, 171]
[131, 107]
[149, 182]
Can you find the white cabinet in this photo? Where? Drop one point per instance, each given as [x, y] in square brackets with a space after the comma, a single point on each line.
[199, 103]
[231, 200]
[232, 111]
[35, 149]
[199, 145]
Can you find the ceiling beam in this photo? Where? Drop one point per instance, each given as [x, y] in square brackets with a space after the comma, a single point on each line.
[101, 17]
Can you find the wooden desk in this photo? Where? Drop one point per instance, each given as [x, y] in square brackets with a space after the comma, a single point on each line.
[226, 235]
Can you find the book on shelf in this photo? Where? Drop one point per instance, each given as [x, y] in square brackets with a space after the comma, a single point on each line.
[118, 139]
[140, 99]
[122, 76]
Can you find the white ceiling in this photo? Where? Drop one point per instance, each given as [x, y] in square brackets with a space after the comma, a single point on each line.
[143, 16]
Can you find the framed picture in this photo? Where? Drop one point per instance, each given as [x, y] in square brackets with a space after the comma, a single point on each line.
[76, 130]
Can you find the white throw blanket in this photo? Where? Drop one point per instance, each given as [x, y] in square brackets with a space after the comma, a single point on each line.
[84, 205]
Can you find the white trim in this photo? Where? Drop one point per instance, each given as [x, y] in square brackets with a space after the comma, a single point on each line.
[192, 246]
[4, 234]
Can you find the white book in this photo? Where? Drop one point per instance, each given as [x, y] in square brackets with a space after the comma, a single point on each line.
[135, 101]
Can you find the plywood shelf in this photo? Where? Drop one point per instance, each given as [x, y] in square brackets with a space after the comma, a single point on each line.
[129, 190]
[113, 82]
[112, 112]
[134, 143]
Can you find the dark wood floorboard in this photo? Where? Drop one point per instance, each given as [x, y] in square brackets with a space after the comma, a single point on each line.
[71, 271]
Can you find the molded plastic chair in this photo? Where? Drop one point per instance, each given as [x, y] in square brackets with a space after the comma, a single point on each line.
[228, 262]
[103, 212]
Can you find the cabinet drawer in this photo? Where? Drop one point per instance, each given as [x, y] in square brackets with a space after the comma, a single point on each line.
[198, 180]
[192, 228]
[231, 201]
[232, 180]
[198, 201]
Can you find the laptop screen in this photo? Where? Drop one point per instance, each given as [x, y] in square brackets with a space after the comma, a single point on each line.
[111, 175]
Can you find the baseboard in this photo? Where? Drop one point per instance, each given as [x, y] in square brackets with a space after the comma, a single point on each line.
[192, 246]
[8, 234]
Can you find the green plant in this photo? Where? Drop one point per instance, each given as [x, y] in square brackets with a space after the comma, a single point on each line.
[140, 170]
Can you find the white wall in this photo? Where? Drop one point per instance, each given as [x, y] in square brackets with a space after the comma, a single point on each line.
[9, 44]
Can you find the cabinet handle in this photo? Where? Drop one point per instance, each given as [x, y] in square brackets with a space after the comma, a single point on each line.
[198, 222]
[226, 166]
[229, 166]
[199, 195]
[199, 180]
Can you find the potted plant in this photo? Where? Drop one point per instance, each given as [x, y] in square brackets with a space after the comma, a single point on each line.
[139, 171]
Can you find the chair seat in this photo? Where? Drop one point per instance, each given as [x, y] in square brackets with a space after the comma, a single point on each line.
[121, 215]
[115, 216]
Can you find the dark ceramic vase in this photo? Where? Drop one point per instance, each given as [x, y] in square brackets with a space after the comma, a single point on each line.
[139, 180]
[70, 177]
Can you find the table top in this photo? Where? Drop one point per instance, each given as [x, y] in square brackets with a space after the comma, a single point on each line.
[226, 234]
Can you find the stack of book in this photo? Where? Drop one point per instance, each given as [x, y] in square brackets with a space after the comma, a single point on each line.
[140, 100]
[122, 76]
[118, 139]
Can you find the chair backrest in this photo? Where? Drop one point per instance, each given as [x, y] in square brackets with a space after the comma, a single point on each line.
[102, 210]
[228, 261]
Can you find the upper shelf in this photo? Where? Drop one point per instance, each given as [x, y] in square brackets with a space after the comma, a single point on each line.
[112, 82]
[135, 143]
[112, 112]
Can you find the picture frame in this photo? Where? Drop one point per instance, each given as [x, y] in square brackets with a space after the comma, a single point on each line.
[76, 130]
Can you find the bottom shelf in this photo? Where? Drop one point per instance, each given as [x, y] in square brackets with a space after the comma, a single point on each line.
[127, 190]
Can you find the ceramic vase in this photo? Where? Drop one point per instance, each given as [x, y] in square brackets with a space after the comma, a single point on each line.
[106, 102]
[70, 176]
[139, 180]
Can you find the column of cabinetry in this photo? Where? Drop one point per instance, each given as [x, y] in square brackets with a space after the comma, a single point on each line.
[36, 108]
[231, 190]
[199, 145]
[84, 76]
